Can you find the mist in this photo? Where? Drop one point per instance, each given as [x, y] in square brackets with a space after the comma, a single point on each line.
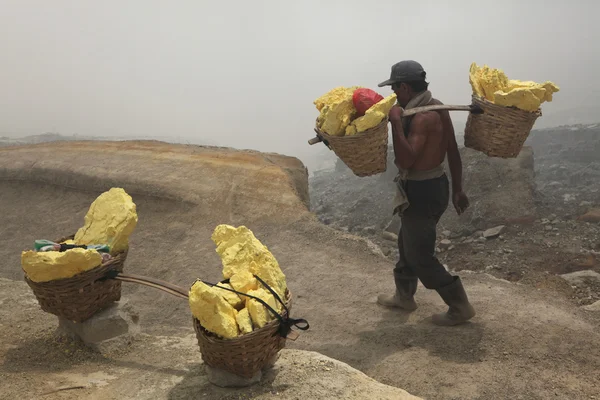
[245, 74]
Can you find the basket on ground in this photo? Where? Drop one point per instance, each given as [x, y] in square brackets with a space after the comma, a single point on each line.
[500, 131]
[81, 296]
[364, 153]
[244, 355]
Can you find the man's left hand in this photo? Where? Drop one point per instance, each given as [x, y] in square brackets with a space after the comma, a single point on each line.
[395, 114]
[460, 201]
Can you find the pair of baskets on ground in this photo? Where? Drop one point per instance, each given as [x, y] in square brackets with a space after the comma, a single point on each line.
[494, 130]
[80, 297]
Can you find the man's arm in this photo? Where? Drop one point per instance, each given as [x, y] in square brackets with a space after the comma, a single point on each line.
[407, 151]
[459, 198]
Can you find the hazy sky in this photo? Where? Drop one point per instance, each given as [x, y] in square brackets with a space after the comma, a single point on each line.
[245, 73]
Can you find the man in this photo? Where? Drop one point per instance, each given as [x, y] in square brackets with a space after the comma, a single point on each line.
[421, 143]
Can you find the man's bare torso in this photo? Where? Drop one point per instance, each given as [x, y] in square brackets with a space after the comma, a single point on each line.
[436, 143]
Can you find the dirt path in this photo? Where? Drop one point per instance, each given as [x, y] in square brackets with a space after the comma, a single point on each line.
[523, 344]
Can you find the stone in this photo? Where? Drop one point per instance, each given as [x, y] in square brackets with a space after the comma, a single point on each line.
[392, 237]
[579, 277]
[494, 232]
[109, 329]
[446, 233]
[394, 225]
[445, 243]
[548, 227]
[592, 215]
[225, 379]
[593, 307]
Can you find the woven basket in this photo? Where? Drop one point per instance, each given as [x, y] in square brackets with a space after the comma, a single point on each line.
[500, 131]
[244, 355]
[364, 153]
[81, 296]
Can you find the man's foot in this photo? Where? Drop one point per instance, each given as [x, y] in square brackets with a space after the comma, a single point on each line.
[459, 308]
[396, 301]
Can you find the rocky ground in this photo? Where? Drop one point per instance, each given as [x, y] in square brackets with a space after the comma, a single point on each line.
[546, 202]
[526, 342]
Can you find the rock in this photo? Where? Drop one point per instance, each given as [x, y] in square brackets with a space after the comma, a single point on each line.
[444, 244]
[394, 225]
[593, 307]
[568, 197]
[499, 190]
[494, 232]
[592, 215]
[225, 379]
[548, 227]
[106, 331]
[578, 278]
[451, 248]
[446, 233]
[389, 236]
[585, 204]
[369, 230]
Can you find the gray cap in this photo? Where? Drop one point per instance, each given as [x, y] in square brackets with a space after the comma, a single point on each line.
[405, 71]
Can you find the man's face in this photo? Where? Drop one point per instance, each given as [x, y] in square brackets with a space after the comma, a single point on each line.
[402, 93]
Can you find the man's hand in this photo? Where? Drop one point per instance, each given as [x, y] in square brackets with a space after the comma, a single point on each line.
[396, 114]
[460, 201]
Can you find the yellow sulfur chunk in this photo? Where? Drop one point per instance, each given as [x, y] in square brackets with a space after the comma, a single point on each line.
[243, 281]
[338, 117]
[244, 322]
[523, 98]
[215, 314]
[551, 88]
[373, 117]
[351, 130]
[334, 96]
[474, 79]
[232, 298]
[52, 265]
[369, 120]
[493, 85]
[241, 252]
[112, 217]
[336, 110]
[259, 314]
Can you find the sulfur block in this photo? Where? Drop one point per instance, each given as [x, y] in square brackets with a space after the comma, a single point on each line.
[215, 314]
[244, 321]
[111, 218]
[52, 265]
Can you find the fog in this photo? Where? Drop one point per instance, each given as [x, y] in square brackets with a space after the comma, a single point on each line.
[245, 73]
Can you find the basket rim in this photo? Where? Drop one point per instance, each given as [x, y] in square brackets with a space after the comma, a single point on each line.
[358, 135]
[246, 337]
[488, 103]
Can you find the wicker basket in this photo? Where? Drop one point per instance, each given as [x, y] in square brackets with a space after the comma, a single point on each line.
[81, 296]
[364, 153]
[245, 355]
[500, 131]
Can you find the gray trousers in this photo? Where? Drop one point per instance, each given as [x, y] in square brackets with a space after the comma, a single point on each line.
[416, 241]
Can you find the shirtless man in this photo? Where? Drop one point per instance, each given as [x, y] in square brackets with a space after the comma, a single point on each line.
[421, 143]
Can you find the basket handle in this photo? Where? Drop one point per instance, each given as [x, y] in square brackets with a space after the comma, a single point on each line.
[151, 282]
[407, 113]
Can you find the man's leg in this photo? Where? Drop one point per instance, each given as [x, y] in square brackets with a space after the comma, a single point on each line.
[420, 225]
[406, 283]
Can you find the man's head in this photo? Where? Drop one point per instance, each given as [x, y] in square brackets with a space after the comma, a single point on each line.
[407, 79]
